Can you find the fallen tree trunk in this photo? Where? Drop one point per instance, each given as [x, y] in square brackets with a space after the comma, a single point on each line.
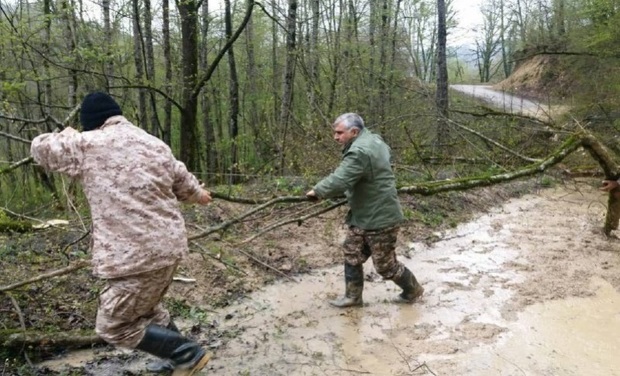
[49, 340]
[431, 188]
[601, 154]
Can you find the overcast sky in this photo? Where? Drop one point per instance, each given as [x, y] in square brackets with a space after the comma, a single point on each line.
[468, 16]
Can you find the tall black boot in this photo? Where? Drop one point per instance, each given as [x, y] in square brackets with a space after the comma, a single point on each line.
[163, 365]
[354, 280]
[186, 356]
[411, 288]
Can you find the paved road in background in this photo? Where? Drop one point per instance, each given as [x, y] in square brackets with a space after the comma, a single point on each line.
[504, 101]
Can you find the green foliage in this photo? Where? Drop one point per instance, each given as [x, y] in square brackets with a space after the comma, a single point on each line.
[179, 308]
[546, 181]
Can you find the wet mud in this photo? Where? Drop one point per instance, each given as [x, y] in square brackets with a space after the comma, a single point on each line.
[529, 288]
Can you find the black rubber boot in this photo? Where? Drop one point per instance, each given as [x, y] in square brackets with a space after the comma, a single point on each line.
[185, 355]
[411, 288]
[354, 280]
[163, 365]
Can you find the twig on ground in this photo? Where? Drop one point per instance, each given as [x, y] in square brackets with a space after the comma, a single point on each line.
[20, 316]
[20, 216]
[423, 365]
[22, 323]
[64, 250]
[298, 220]
[55, 273]
[207, 253]
[253, 258]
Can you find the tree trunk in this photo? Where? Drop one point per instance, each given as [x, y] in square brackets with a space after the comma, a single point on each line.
[254, 119]
[441, 98]
[288, 80]
[189, 63]
[233, 99]
[150, 68]
[207, 124]
[372, 47]
[167, 131]
[599, 152]
[108, 69]
[138, 55]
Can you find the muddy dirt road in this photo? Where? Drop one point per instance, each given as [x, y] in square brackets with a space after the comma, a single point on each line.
[529, 288]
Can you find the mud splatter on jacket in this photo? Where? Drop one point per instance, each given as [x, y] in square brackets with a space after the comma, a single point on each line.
[133, 184]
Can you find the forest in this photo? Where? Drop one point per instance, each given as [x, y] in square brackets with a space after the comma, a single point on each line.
[245, 92]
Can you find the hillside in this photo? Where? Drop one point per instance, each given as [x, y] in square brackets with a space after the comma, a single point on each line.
[582, 81]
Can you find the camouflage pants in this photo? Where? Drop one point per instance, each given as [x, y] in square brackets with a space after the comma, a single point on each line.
[360, 244]
[127, 305]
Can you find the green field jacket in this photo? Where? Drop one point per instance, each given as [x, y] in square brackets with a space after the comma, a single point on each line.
[365, 177]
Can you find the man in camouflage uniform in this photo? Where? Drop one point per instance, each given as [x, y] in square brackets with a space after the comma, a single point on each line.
[365, 177]
[133, 184]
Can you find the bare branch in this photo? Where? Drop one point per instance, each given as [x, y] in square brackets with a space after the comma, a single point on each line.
[227, 46]
[55, 273]
[23, 120]
[207, 253]
[491, 141]
[299, 221]
[16, 165]
[227, 224]
[16, 138]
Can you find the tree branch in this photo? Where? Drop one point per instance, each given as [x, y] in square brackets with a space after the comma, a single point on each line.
[248, 213]
[299, 221]
[220, 55]
[16, 165]
[54, 273]
[432, 188]
[491, 141]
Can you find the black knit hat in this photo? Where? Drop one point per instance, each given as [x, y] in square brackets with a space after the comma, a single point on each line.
[96, 109]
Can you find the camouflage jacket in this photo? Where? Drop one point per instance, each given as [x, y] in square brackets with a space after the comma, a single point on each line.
[133, 184]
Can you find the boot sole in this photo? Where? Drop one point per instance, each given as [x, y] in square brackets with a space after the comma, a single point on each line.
[195, 369]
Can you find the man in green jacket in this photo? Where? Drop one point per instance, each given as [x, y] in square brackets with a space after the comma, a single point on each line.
[365, 177]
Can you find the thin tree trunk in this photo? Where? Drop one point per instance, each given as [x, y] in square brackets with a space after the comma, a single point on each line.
[370, 87]
[168, 71]
[150, 67]
[441, 98]
[233, 99]
[381, 101]
[288, 81]
[47, 88]
[313, 54]
[139, 63]
[189, 63]
[207, 124]
[107, 45]
[275, 69]
[253, 94]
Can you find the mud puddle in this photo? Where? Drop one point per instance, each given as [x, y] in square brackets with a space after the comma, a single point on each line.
[530, 288]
